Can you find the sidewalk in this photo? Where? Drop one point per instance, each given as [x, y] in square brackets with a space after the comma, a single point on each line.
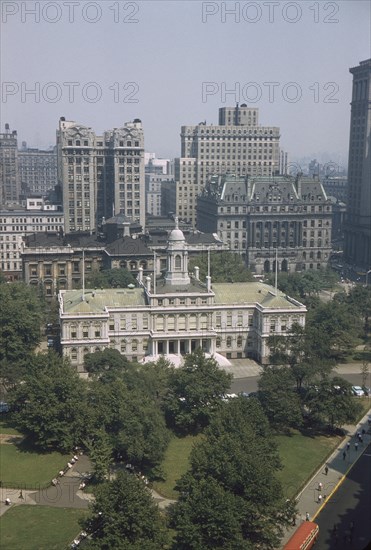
[65, 495]
[307, 500]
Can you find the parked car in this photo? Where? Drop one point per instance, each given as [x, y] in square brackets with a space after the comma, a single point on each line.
[358, 391]
[50, 342]
[4, 407]
[366, 391]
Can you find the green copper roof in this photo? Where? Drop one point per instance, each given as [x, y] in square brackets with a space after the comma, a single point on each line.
[251, 293]
[97, 300]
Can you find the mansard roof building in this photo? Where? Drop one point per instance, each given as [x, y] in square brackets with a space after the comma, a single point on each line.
[264, 216]
[175, 314]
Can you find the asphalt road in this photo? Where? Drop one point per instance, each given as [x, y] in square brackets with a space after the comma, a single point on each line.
[350, 503]
[250, 384]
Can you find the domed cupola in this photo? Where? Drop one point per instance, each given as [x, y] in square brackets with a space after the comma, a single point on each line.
[177, 258]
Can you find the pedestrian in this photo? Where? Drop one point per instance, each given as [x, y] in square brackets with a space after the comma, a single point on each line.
[294, 520]
[307, 516]
[359, 437]
[356, 446]
[348, 446]
[363, 431]
[21, 494]
[320, 486]
[319, 498]
[361, 440]
[326, 470]
[345, 454]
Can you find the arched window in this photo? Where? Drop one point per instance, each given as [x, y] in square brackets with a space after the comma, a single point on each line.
[229, 342]
[74, 354]
[178, 262]
[123, 346]
[86, 351]
[218, 342]
[134, 345]
[239, 341]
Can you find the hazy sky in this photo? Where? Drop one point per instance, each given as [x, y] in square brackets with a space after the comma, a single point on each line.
[171, 63]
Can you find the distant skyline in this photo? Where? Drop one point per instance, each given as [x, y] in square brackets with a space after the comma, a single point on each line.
[175, 63]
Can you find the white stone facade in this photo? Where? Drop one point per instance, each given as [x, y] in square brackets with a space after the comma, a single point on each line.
[176, 315]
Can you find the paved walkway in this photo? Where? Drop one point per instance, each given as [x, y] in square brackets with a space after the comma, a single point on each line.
[338, 466]
[64, 495]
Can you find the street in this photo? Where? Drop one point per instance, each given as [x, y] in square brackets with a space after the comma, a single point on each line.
[349, 510]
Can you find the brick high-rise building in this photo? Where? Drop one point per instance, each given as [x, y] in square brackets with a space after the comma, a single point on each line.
[100, 176]
[237, 145]
[357, 244]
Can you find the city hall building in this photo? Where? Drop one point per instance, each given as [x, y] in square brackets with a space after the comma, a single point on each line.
[176, 314]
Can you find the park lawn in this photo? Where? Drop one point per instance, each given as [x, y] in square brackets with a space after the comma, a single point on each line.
[301, 456]
[175, 464]
[39, 527]
[20, 465]
[6, 425]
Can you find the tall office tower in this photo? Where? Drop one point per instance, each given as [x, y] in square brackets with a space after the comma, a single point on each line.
[357, 243]
[238, 145]
[9, 173]
[37, 170]
[101, 176]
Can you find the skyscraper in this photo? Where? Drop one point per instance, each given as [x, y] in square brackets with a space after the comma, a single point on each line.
[357, 244]
[100, 176]
[9, 173]
[238, 145]
[37, 170]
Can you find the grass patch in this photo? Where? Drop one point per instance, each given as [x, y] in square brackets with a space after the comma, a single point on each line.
[39, 527]
[301, 456]
[175, 464]
[7, 426]
[23, 466]
[366, 406]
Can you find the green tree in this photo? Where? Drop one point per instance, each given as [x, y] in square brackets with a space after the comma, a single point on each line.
[331, 403]
[124, 516]
[305, 350]
[134, 422]
[110, 278]
[51, 403]
[279, 398]
[195, 391]
[237, 462]
[339, 325]
[21, 318]
[108, 363]
[152, 379]
[225, 267]
[100, 453]
[359, 302]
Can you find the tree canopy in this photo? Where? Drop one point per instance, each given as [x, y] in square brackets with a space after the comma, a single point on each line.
[51, 403]
[125, 516]
[110, 278]
[279, 398]
[21, 318]
[331, 402]
[231, 497]
[195, 391]
[225, 267]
